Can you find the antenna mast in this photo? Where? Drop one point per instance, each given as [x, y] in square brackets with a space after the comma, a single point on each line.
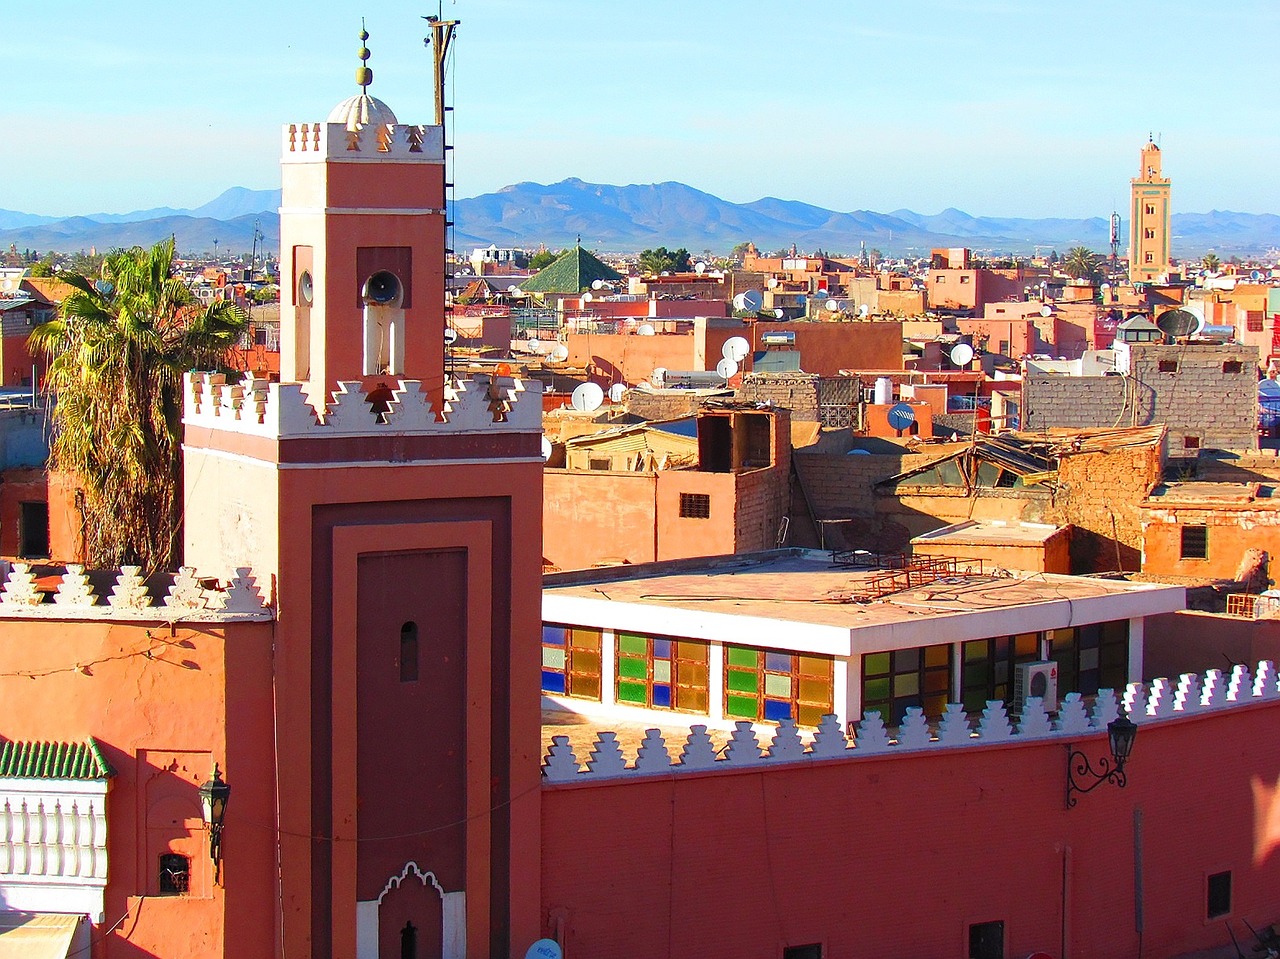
[439, 41]
[442, 31]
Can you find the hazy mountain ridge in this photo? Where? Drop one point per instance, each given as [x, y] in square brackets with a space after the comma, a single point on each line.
[633, 217]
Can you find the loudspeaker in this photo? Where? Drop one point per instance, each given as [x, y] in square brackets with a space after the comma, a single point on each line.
[381, 288]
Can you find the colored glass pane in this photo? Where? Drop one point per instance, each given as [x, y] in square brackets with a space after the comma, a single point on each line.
[776, 710]
[779, 687]
[553, 658]
[586, 661]
[688, 649]
[1089, 658]
[585, 638]
[875, 689]
[662, 696]
[813, 666]
[661, 671]
[1027, 644]
[976, 651]
[937, 681]
[875, 664]
[553, 635]
[633, 644]
[632, 668]
[662, 649]
[906, 684]
[777, 662]
[629, 692]
[691, 674]
[810, 715]
[691, 700]
[937, 655]
[584, 686]
[738, 656]
[742, 681]
[552, 682]
[742, 707]
[906, 659]
[814, 691]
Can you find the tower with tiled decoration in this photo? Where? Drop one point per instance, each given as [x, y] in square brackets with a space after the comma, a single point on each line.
[397, 519]
[1149, 219]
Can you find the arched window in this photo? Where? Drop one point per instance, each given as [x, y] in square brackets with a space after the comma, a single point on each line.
[409, 653]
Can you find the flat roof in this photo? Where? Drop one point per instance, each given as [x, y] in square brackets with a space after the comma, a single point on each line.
[991, 533]
[801, 600]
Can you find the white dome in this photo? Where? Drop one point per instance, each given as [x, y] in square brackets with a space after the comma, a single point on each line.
[361, 110]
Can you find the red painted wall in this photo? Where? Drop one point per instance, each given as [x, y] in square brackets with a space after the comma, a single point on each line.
[896, 856]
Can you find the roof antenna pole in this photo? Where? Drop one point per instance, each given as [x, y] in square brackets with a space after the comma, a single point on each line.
[441, 36]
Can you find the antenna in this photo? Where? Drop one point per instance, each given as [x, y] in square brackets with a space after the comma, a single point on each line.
[646, 329]
[587, 398]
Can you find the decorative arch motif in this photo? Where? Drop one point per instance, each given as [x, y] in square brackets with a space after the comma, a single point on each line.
[454, 915]
[410, 867]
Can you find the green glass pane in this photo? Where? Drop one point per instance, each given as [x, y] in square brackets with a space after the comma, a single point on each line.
[976, 674]
[906, 684]
[632, 668]
[875, 664]
[632, 692]
[777, 687]
[741, 707]
[662, 670]
[877, 689]
[553, 658]
[976, 650]
[739, 656]
[631, 643]
[742, 681]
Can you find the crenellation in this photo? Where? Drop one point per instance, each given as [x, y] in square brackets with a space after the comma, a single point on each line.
[374, 142]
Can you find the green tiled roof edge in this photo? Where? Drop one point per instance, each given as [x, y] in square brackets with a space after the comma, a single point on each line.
[54, 761]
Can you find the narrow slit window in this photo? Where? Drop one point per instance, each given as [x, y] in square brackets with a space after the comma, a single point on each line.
[1218, 899]
[409, 653]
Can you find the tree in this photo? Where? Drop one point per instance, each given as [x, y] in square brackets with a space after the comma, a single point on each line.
[661, 259]
[1210, 262]
[43, 267]
[1081, 263]
[542, 259]
[117, 352]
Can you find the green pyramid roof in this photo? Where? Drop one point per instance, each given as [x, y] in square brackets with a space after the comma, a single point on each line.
[54, 761]
[572, 272]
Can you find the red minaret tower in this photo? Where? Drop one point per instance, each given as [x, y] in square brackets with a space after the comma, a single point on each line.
[400, 533]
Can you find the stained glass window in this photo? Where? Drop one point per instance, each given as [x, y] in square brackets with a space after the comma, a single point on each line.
[767, 685]
[662, 673]
[894, 681]
[571, 661]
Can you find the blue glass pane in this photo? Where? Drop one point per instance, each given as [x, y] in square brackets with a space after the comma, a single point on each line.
[662, 696]
[777, 662]
[552, 682]
[661, 649]
[553, 635]
[775, 709]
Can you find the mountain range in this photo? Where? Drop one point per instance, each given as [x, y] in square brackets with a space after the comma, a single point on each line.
[635, 217]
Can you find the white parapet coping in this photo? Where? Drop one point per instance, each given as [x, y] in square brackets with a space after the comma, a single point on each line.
[372, 143]
[1190, 695]
[256, 407]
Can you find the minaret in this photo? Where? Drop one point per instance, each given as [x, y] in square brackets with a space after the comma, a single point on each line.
[395, 522]
[1149, 219]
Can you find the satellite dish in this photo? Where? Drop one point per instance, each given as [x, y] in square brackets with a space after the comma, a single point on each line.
[534, 344]
[545, 949]
[726, 369]
[1269, 388]
[778, 314]
[1046, 310]
[753, 300]
[772, 283]
[559, 353]
[587, 398]
[646, 329]
[546, 449]
[587, 297]
[834, 305]
[617, 392]
[597, 284]
[1180, 323]
[820, 294]
[962, 354]
[740, 301]
[901, 416]
[699, 268]
[864, 310]
[450, 336]
[735, 348]
[658, 376]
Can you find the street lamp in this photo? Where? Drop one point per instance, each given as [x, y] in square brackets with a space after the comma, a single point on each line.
[213, 802]
[1081, 776]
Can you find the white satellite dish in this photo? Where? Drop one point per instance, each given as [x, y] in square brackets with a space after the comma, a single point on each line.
[597, 284]
[740, 301]
[699, 268]
[753, 300]
[514, 289]
[658, 376]
[559, 353]
[1046, 310]
[617, 392]
[820, 294]
[772, 283]
[450, 336]
[834, 305]
[735, 348]
[587, 398]
[646, 329]
[726, 369]
[864, 310]
[962, 354]
[534, 344]
[587, 297]
[546, 449]
[778, 314]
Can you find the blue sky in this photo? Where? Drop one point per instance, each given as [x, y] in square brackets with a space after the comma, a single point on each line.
[997, 107]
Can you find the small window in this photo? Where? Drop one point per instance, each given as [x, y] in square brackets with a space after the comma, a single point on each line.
[1218, 898]
[1191, 442]
[175, 874]
[965, 279]
[695, 505]
[1232, 366]
[1195, 542]
[1254, 321]
[1168, 366]
[812, 950]
[986, 940]
[941, 279]
[1149, 234]
[409, 653]
[1151, 209]
[601, 463]
[33, 530]
[1149, 258]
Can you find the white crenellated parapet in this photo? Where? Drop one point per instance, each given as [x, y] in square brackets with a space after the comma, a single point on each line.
[372, 142]
[72, 595]
[256, 407]
[955, 729]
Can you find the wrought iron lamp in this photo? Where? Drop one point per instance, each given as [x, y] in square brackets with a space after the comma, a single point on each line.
[1081, 776]
[213, 801]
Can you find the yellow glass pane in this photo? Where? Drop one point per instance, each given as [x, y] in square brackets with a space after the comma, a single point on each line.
[811, 715]
[692, 651]
[906, 684]
[815, 691]
[937, 655]
[585, 687]
[691, 674]
[585, 638]
[586, 662]
[814, 666]
[691, 700]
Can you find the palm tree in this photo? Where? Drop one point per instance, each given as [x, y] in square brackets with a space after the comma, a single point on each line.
[1210, 262]
[117, 352]
[1081, 263]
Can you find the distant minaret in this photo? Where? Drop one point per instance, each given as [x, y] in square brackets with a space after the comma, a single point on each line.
[1149, 219]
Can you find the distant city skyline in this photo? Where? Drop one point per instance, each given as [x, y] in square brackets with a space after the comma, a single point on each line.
[923, 105]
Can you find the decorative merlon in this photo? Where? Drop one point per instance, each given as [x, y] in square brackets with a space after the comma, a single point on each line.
[1164, 700]
[256, 407]
[72, 595]
[401, 142]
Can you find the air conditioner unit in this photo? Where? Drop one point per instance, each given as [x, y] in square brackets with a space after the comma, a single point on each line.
[1036, 679]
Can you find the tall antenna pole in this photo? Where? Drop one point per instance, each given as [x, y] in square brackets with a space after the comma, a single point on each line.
[441, 37]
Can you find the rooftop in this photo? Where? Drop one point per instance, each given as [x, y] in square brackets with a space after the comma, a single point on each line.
[991, 533]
